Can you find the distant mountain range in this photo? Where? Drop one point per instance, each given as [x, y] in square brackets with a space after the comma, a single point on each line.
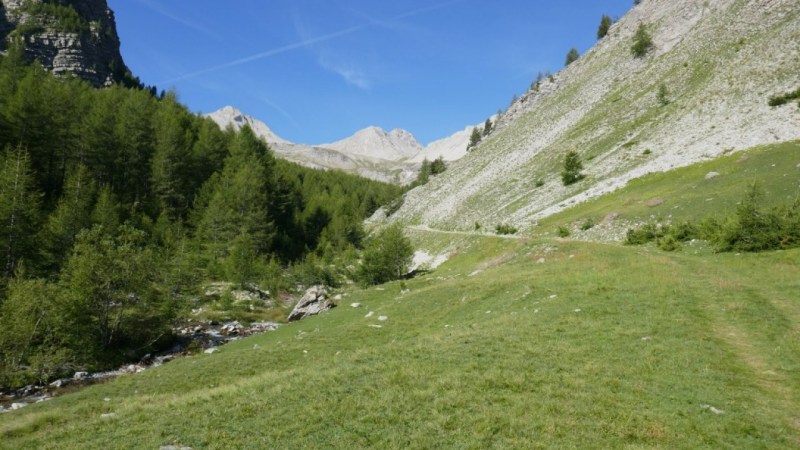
[392, 156]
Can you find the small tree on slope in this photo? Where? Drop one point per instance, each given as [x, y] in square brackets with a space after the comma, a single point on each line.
[572, 169]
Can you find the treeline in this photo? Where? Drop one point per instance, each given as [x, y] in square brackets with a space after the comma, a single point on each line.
[115, 204]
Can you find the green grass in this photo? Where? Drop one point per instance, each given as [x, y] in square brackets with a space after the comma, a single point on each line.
[684, 193]
[500, 359]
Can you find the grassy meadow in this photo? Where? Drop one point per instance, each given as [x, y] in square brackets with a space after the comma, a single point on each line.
[532, 342]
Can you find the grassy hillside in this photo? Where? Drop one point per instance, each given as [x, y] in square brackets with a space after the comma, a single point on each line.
[717, 63]
[686, 193]
[600, 346]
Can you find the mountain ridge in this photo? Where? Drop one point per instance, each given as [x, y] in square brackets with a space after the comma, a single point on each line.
[392, 156]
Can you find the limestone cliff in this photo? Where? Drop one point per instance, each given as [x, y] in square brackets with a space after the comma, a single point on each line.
[65, 36]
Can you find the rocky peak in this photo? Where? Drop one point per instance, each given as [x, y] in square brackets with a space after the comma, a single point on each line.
[375, 142]
[70, 36]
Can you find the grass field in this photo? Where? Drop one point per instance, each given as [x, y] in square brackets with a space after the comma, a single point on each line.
[685, 193]
[530, 342]
[599, 346]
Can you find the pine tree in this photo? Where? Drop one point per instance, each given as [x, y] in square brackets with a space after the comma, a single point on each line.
[605, 26]
[19, 210]
[387, 256]
[572, 56]
[572, 169]
[642, 41]
[487, 127]
[424, 173]
[438, 166]
[475, 138]
[72, 214]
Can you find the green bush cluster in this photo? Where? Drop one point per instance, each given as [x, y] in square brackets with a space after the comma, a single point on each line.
[642, 41]
[505, 229]
[563, 232]
[750, 229]
[783, 99]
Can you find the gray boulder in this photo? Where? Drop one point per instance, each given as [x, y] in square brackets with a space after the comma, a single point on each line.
[314, 301]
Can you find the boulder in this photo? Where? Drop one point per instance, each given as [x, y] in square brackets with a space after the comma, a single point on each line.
[313, 302]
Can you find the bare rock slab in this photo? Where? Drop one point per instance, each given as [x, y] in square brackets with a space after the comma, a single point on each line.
[314, 301]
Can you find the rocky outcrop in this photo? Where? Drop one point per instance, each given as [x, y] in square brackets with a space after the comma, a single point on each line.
[79, 37]
[313, 302]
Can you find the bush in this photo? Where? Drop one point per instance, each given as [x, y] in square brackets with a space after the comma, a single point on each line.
[563, 232]
[572, 169]
[504, 229]
[588, 224]
[779, 100]
[669, 244]
[539, 183]
[642, 41]
[648, 232]
[387, 257]
[663, 95]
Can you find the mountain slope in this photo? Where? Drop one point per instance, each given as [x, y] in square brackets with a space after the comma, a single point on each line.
[719, 61]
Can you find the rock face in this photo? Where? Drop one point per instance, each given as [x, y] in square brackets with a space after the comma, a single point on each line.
[78, 37]
[313, 302]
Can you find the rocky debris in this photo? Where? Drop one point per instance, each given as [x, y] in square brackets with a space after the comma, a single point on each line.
[211, 350]
[209, 335]
[247, 294]
[108, 415]
[313, 302]
[383, 318]
[369, 314]
[355, 305]
[711, 175]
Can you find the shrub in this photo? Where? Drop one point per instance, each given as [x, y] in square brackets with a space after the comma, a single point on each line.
[504, 229]
[588, 224]
[539, 183]
[669, 244]
[572, 169]
[663, 95]
[779, 100]
[642, 41]
[646, 233]
[563, 232]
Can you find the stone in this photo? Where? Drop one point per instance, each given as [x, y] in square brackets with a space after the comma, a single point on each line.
[355, 305]
[369, 314]
[383, 318]
[108, 415]
[313, 302]
[59, 383]
[211, 350]
[16, 406]
[80, 375]
[711, 175]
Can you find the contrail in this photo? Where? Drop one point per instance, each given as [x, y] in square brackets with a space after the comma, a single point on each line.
[307, 42]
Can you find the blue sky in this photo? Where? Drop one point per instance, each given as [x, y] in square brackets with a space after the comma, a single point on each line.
[318, 70]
